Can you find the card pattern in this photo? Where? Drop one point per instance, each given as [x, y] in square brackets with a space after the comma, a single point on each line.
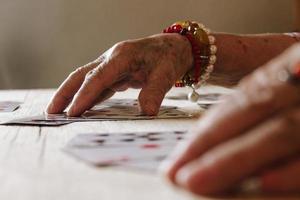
[142, 150]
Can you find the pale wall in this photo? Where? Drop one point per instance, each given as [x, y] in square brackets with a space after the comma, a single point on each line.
[41, 41]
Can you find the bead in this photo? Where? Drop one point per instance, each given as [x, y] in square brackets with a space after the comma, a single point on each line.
[202, 36]
[198, 85]
[207, 31]
[176, 28]
[211, 39]
[184, 24]
[213, 49]
[188, 81]
[192, 27]
[201, 26]
[205, 76]
[193, 96]
[209, 68]
[183, 31]
[169, 30]
[179, 85]
[212, 59]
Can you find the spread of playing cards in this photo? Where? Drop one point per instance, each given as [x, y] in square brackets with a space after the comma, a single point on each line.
[137, 150]
[112, 109]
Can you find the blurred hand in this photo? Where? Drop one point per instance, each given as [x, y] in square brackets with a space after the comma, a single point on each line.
[254, 133]
[153, 64]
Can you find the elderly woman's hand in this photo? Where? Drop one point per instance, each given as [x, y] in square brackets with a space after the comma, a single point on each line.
[253, 133]
[153, 64]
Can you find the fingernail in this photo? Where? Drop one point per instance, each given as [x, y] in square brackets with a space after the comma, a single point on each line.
[174, 160]
[164, 171]
[198, 180]
[182, 176]
[71, 110]
[173, 156]
[49, 107]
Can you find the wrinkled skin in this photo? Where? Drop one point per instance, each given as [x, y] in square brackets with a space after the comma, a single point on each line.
[153, 64]
[257, 134]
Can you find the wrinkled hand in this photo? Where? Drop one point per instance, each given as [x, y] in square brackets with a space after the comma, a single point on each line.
[254, 133]
[153, 64]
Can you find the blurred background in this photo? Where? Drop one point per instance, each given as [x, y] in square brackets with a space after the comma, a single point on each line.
[42, 41]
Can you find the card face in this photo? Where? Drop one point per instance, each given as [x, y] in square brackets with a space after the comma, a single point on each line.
[137, 150]
[9, 106]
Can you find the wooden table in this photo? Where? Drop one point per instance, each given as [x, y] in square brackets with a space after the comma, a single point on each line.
[33, 167]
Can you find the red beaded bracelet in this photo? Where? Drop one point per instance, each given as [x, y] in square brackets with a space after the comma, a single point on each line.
[203, 50]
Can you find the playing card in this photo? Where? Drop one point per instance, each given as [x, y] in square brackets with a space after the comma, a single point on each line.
[179, 96]
[207, 100]
[129, 109]
[9, 106]
[133, 113]
[138, 150]
[118, 109]
[34, 121]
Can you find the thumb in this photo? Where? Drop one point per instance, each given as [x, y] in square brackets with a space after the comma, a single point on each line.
[154, 91]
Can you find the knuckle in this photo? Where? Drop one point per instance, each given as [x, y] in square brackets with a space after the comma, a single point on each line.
[80, 71]
[96, 73]
[123, 46]
[257, 94]
[90, 74]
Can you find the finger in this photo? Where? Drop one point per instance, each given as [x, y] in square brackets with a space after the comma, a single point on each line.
[96, 81]
[106, 94]
[159, 82]
[259, 97]
[68, 88]
[282, 179]
[228, 163]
